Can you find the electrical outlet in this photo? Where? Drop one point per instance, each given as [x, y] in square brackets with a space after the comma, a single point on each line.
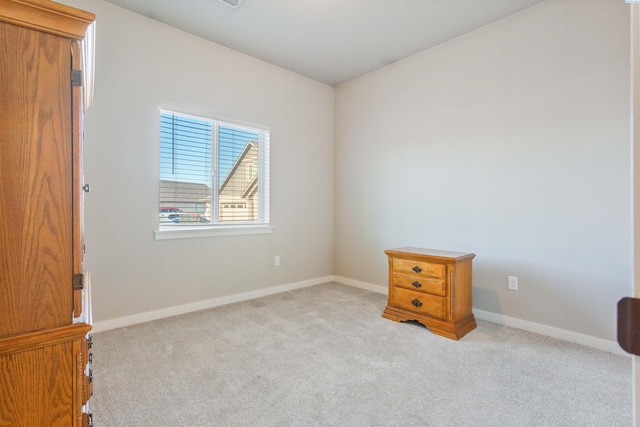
[277, 260]
[513, 283]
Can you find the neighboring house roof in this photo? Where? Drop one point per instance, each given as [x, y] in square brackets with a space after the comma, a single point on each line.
[249, 153]
[184, 192]
[239, 182]
[251, 188]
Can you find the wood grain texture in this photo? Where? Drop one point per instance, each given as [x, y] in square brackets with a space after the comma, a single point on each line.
[414, 265]
[35, 181]
[419, 302]
[42, 377]
[424, 284]
[433, 288]
[37, 387]
[23, 342]
[47, 17]
[42, 352]
[79, 383]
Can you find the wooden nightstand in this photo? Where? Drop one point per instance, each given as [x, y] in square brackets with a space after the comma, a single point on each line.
[432, 287]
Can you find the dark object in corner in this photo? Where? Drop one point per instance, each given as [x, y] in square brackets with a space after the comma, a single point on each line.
[629, 325]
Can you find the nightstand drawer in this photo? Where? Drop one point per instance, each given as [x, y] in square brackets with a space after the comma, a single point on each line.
[432, 287]
[420, 284]
[419, 302]
[421, 268]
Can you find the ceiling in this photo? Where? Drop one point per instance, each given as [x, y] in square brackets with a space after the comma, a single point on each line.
[331, 41]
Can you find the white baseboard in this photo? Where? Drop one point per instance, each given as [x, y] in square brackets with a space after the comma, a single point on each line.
[203, 305]
[550, 331]
[362, 285]
[586, 340]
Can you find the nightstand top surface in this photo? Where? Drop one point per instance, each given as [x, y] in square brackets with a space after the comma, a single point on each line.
[436, 253]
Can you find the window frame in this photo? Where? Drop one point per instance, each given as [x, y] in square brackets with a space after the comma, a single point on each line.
[215, 228]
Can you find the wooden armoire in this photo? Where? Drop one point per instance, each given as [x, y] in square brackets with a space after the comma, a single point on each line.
[45, 377]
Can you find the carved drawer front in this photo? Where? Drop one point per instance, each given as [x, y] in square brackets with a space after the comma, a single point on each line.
[419, 302]
[420, 284]
[425, 269]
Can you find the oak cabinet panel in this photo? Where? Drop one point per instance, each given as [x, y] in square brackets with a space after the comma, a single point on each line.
[43, 308]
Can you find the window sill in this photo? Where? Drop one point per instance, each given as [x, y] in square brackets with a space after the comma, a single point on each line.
[190, 233]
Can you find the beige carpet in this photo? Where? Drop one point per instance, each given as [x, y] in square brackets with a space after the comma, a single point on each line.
[324, 356]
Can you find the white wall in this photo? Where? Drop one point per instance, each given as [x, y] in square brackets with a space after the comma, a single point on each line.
[635, 90]
[511, 142]
[142, 64]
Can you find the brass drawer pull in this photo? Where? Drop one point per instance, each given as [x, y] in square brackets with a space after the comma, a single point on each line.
[417, 269]
[416, 302]
[416, 284]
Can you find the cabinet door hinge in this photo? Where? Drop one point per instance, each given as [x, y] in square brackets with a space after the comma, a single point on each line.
[78, 282]
[76, 77]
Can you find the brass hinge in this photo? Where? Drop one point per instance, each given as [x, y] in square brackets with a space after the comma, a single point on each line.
[78, 282]
[76, 77]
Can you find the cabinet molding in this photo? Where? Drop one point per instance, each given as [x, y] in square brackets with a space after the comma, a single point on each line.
[47, 17]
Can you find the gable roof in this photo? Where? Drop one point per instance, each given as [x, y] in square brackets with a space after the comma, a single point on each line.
[251, 188]
[251, 145]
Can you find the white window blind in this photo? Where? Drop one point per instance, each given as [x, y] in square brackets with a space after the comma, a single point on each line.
[212, 172]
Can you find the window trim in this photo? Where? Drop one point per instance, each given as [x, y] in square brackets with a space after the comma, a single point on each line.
[212, 231]
[221, 229]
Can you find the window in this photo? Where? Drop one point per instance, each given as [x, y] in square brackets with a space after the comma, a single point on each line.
[212, 173]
